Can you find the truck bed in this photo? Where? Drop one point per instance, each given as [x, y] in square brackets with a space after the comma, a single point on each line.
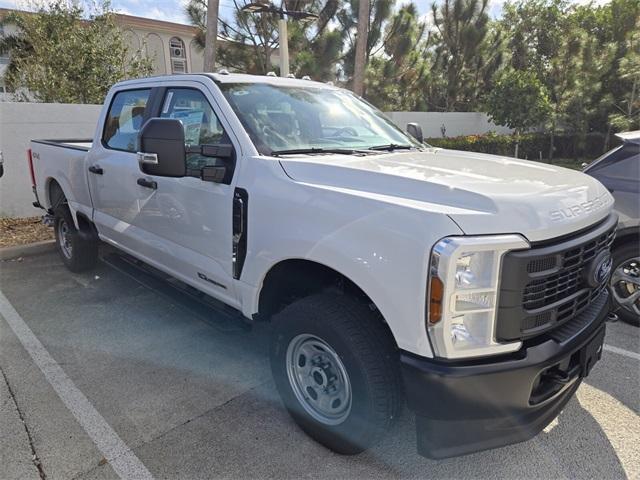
[62, 161]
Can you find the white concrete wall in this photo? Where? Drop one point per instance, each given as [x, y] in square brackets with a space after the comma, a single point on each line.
[456, 123]
[21, 122]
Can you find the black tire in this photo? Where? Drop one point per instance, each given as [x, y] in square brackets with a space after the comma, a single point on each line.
[621, 255]
[368, 354]
[83, 252]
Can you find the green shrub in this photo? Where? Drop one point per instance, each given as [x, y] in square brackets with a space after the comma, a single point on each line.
[532, 145]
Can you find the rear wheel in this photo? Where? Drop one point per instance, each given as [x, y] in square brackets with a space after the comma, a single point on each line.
[335, 367]
[625, 283]
[78, 250]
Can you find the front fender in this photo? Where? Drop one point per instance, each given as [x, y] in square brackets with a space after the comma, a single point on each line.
[381, 246]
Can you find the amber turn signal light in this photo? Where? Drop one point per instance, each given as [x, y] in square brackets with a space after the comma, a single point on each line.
[436, 292]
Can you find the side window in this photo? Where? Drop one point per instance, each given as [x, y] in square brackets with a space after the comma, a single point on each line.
[124, 119]
[201, 125]
[623, 163]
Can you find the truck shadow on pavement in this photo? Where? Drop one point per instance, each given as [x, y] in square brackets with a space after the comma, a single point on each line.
[193, 397]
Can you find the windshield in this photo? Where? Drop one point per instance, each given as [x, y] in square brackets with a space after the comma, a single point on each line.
[303, 118]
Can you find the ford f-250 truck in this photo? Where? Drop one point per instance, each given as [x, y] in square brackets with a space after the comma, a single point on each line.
[471, 286]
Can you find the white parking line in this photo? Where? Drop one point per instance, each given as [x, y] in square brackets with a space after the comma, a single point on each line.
[621, 351]
[115, 451]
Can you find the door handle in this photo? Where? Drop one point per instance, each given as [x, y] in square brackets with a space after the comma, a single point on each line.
[96, 169]
[143, 182]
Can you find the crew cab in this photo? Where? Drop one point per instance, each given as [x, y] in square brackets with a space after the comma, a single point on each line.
[471, 287]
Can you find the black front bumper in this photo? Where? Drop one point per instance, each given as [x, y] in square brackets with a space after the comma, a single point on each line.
[477, 405]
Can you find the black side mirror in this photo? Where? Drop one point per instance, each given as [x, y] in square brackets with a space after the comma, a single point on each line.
[415, 131]
[216, 173]
[162, 151]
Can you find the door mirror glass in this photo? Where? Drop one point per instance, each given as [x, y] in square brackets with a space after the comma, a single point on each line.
[415, 131]
[162, 150]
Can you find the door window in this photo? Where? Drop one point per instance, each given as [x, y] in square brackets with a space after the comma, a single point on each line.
[124, 119]
[201, 125]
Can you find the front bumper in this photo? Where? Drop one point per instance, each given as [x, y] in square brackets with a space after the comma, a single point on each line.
[477, 405]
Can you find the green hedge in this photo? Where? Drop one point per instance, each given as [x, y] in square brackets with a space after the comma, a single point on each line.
[531, 144]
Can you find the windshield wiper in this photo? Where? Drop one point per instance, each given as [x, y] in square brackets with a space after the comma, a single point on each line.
[302, 151]
[391, 147]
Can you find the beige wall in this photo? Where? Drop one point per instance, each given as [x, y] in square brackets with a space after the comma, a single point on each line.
[156, 44]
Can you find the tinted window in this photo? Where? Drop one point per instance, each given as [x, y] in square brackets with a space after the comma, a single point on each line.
[124, 119]
[201, 125]
[623, 163]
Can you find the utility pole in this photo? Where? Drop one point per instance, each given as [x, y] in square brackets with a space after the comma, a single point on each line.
[283, 40]
[284, 46]
[361, 47]
[211, 36]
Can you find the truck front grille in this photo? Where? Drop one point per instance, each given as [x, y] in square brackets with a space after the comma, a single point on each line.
[568, 272]
[546, 286]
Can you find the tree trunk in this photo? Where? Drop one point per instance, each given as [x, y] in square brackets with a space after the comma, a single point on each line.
[551, 140]
[361, 47]
[211, 36]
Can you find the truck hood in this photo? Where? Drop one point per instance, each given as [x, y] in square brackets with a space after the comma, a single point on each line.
[483, 194]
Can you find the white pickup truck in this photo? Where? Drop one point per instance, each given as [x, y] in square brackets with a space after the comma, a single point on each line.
[470, 286]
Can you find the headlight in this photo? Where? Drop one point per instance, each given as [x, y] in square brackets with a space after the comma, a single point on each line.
[463, 295]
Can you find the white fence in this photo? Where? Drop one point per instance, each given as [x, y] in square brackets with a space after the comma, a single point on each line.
[21, 122]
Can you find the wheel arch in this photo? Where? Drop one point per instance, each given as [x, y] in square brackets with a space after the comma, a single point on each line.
[294, 278]
[626, 235]
[55, 196]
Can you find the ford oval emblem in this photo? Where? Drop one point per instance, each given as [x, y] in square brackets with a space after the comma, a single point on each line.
[599, 270]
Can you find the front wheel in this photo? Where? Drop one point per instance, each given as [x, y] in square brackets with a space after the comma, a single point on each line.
[78, 250]
[625, 283]
[335, 367]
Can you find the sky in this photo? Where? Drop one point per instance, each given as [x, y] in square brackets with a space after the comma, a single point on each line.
[173, 10]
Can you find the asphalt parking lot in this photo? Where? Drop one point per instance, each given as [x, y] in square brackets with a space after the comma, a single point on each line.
[179, 393]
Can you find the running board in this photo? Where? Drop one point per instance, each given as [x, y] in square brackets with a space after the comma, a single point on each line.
[206, 308]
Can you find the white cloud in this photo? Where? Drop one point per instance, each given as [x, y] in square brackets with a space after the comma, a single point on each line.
[168, 10]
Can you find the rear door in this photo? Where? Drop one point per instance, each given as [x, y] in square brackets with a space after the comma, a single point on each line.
[113, 167]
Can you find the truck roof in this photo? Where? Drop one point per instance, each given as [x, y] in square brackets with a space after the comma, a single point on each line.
[236, 78]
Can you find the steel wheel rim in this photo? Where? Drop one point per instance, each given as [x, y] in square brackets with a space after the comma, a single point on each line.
[64, 239]
[625, 285]
[319, 379]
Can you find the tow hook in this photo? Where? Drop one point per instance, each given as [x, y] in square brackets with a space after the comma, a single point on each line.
[47, 220]
[612, 317]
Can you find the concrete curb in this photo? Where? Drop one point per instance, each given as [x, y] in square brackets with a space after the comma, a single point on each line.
[37, 248]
